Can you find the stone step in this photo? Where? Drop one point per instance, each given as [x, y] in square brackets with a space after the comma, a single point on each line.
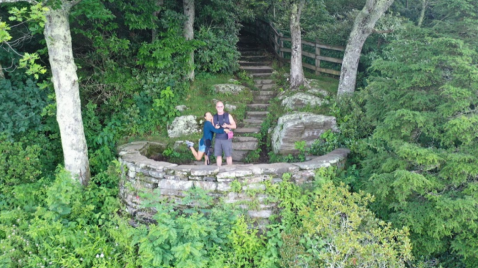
[260, 99]
[248, 46]
[252, 63]
[259, 82]
[261, 75]
[247, 42]
[252, 52]
[255, 58]
[246, 130]
[245, 143]
[253, 122]
[257, 107]
[257, 69]
[265, 87]
[256, 115]
[238, 155]
[264, 93]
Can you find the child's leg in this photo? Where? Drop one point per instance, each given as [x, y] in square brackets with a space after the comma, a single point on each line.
[197, 155]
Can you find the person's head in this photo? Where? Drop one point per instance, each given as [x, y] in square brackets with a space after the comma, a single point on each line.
[208, 116]
[220, 107]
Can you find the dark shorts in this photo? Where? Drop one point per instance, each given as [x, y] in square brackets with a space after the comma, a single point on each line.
[208, 147]
[223, 146]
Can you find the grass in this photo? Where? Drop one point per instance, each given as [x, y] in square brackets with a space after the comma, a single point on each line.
[325, 82]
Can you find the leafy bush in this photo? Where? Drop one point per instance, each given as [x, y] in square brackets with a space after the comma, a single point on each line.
[219, 54]
[21, 105]
[192, 239]
[420, 161]
[327, 225]
[66, 225]
[19, 163]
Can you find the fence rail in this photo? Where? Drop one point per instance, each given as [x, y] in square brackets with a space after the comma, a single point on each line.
[271, 35]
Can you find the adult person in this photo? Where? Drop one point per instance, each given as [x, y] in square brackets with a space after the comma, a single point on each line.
[222, 143]
[205, 141]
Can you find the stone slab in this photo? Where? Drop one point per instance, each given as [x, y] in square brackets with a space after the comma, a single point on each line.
[327, 160]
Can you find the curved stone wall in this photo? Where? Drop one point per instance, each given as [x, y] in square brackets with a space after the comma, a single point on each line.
[145, 175]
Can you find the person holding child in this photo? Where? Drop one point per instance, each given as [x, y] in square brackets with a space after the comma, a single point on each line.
[206, 140]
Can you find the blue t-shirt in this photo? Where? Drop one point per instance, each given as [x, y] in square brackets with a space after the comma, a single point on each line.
[208, 131]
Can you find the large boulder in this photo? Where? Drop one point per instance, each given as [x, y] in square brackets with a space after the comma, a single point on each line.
[181, 108]
[296, 127]
[301, 100]
[183, 125]
[229, 88]
[229, 107]
[313, 87]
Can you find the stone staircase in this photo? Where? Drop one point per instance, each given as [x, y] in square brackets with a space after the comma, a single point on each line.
[257, 62]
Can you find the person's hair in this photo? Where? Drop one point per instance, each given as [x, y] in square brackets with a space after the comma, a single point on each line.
[205, 114]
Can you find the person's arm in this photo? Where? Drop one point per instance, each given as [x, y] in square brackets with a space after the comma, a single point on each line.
[232, 123]
[211, 128]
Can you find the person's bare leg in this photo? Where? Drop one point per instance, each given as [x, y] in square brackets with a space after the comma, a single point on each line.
[229, 160]
[197, 155]
[219, 161]
[206, 158]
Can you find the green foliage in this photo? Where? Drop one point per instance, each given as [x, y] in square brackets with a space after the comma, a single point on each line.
[293, 251]
[219, 54]
[341, 230]
[301, 146]
[253, 156]
[180, 240]
[62, 224]
[19, 163]
[325, 225]
[170, 52]
[290, 158]
[34, 18]
[236, 186]
[21, 105]
[245, 245]
[4, 35]
[328, 142]
[169, 152]
[419, 160]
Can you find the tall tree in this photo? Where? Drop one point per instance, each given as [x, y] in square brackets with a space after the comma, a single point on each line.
[363, 27]
[422, 13]
[189, 33]
[296, 70]
[65, 81]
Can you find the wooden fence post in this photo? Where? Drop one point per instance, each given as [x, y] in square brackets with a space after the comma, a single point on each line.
[317, 59]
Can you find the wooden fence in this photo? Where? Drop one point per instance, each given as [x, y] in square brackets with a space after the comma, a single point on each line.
[272, 36]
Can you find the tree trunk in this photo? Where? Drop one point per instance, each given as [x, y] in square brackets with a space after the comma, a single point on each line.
[422, 13]
[65, 81]
[189, 34]
[296, 71]
[363, 27]
[2, 75]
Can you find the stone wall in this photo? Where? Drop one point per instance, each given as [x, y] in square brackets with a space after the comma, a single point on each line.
[142, 174]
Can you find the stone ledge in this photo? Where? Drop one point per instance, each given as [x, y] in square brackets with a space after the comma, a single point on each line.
[145, 175]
